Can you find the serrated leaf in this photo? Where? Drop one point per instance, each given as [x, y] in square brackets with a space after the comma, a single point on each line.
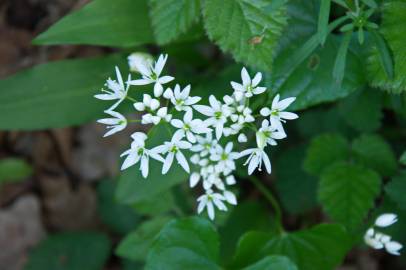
[323, 151]
[296, 189]
[374, 152]
[249, 30]
[347, 192]
[187, 243]
[363, 110]
[135, 246]
[119, 23]
[70, 251]
[57, 94]
[393, 30]
[396, 189]
[14, 170]
[273, 263]
[171, 18]
[319, 248]
[384, 54]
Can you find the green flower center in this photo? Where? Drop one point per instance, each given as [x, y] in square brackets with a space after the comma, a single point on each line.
[218, 115]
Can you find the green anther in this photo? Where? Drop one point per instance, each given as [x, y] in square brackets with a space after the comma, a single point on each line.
[275, 112]
[218, 115]
[186, 127]
[154, 76]
[224, 156]
[180, 102]
[174, 149]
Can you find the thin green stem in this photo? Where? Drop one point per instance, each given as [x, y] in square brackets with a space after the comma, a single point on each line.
[268, 195]
[131, 99]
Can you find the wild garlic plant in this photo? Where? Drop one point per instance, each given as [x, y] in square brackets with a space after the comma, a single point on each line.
[204, 134]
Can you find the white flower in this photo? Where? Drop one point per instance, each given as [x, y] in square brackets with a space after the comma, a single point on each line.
[173, 149]
[139, 59]
[209, 200]
[181, 99]
[393, 247]
[116, 124]
[267, 135]
[386, 220]
[255, 159]
[242, 138]
[230, 197]
[147, 102]
[117, 90]
[204, 144]
[190, 126]
[194, 179]
[138, 152]
[277, 113]
[152, 74]
[248, 88]
[230, 180]
[217, 113]
[224, 157]
[371, 241]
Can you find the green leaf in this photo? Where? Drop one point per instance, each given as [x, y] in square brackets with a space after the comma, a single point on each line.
[170, 18]
[187, 243]
[323, 151]
[14, 170]
[155, 205]
[324, 15]
[370, 3]
[347, 192]
[120, 218]
[249, 30]
[319, 248]
[402, 158]
[393, 30]
[70, 251]
[136, 245]
[396, 189]
[362, 110]
[57, 94]
[119, 23]
[375, 153]
[273, 263]
[296, 189]
[384, 54]
[339, 64]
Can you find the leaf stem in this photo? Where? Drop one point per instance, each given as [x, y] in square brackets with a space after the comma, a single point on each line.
[131, 99]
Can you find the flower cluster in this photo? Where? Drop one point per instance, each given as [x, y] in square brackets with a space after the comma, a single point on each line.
[202, 141]
[378, 240]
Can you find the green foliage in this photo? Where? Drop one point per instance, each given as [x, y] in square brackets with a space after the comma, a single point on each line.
[188, 243]
[14, 170]
[247, 29]
[324, 15]
[339, 64]
[392, 29]
[40, 97]
[296, 189]
[170, 18]
[319, 248]
[347, 192]
[323, 151]
[273, 263]
[135, 246]
[70, 251]
[118, 23]
[120, 218]
[402, 158]
[155, 205]
[395, 189]
[374, 152]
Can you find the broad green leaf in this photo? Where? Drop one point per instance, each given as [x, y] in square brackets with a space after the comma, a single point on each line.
[319, 248]
[347, 192]
[374, 152]
[395, 189]
[170, 18]
[296, 189]
[187, 243]
[120, 218]
[14, 170]
[384, 54]
[323, 151]
[135, 246]
[249, 30]
[340, 62]
[393, 30]
[118, 23]
[324, 15]
[155, 205]
[70, 251]
[57, 94]
[273, 263]
[362, 110]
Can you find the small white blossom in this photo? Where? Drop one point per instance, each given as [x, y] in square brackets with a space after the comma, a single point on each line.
[190, 126]
[181, 99]
[242, 138]
[173, 150]
[116, 90]
[249, 87]
[277, 113]
[209, 200]
[151, 74]
[139, 59]
[217, 113]
[386, 220]
[257, 156]
[147, 102]
[115, 124]
[224, 157]
[268, 134]
[230, 197]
